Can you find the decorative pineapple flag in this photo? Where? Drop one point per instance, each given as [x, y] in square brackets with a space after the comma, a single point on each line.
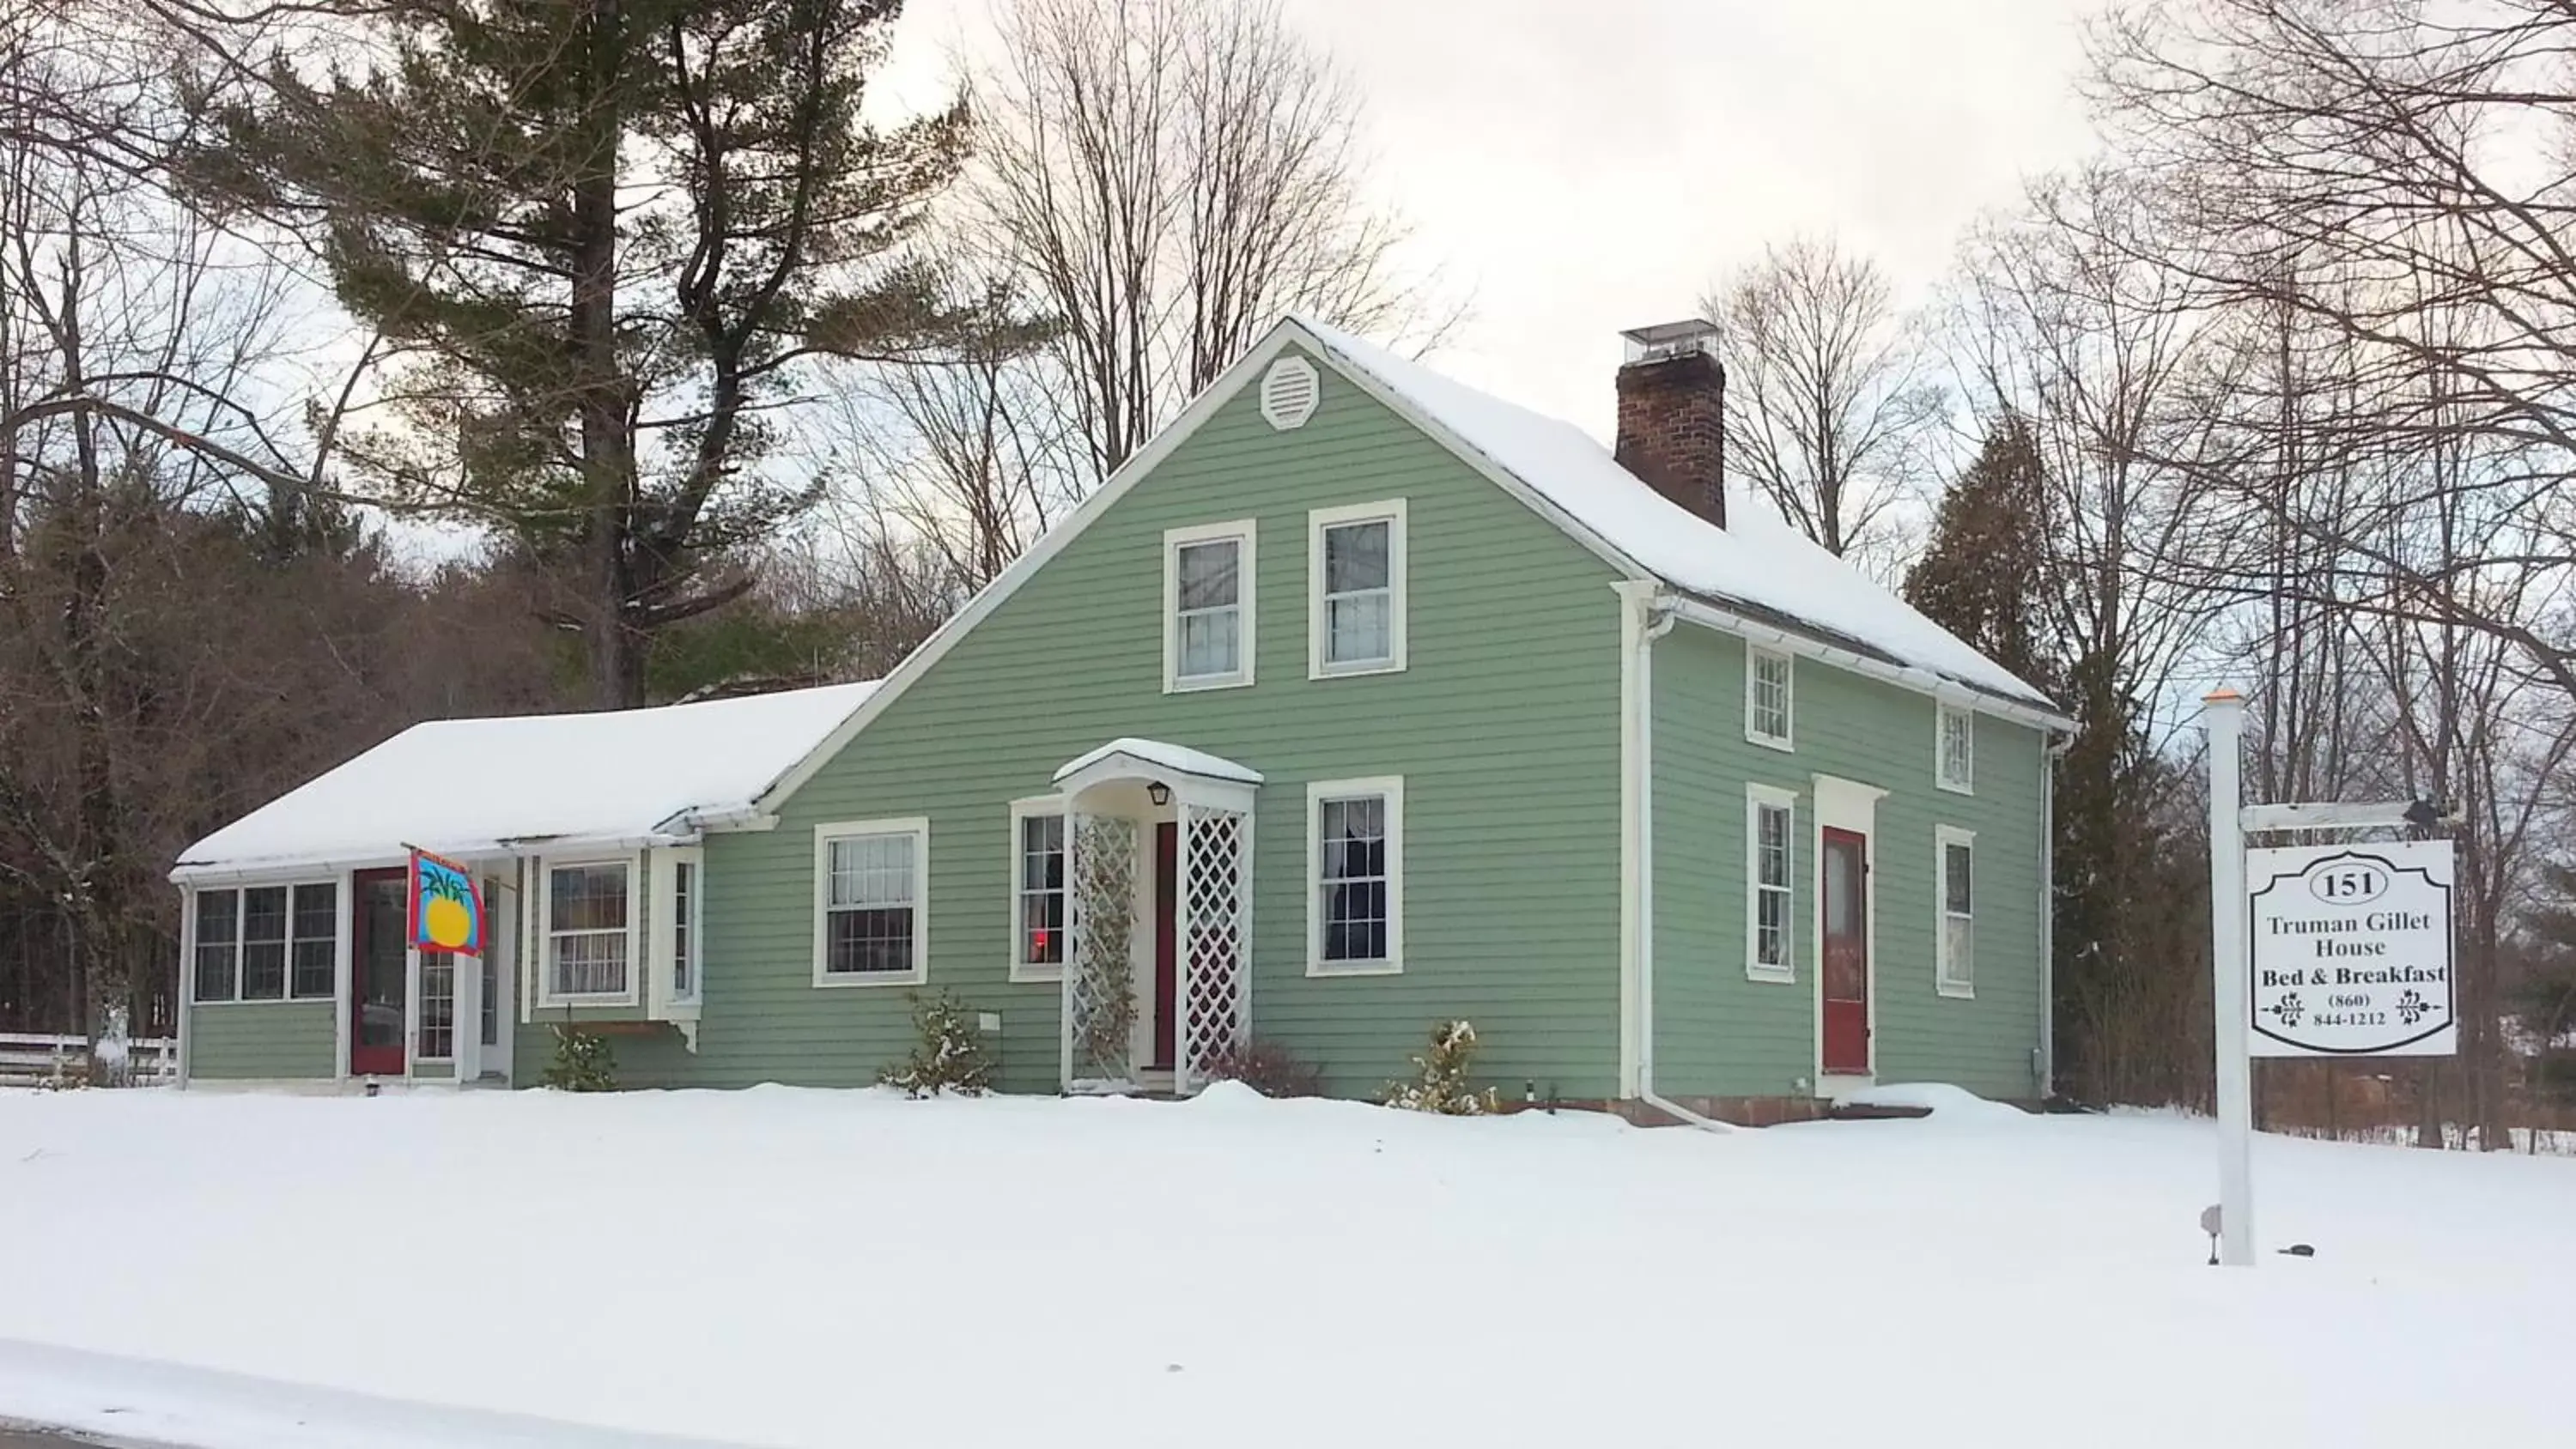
[446, 906]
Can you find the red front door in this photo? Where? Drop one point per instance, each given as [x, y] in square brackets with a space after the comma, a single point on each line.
[1846, 938]
[1167, 957]
[379, 951]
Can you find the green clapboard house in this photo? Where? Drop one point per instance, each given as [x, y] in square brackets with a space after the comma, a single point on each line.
[1357, 701]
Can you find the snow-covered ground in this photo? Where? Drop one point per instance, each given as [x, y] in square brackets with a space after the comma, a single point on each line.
[782, 1267]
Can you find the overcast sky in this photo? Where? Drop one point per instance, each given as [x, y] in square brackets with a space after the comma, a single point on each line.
[1587, 165]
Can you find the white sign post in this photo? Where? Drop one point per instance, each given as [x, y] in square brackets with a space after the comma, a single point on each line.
[2350, 952]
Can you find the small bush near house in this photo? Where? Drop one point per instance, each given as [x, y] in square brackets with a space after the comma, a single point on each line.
[1270, 1069]
[1441, 1085]
[582, 1062]
[950, 1055]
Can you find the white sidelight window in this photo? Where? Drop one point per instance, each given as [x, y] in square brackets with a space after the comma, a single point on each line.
[437, 1007]
[267, 943]
[1208, 606]
[870, 898]
[1770, 833]
[1955, 749]
[677, 919]
[590, 932]
[1958, 924]
[1038, 907]
[1768, 679]
[1355, 877]
[1355, 587]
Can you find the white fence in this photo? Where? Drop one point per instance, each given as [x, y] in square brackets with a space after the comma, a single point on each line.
[54, 1060]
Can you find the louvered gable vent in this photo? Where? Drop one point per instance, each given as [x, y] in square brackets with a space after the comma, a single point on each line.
[1288, 393]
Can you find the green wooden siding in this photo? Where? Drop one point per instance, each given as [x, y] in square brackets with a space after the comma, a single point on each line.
[1720, 1033]
[261, 1040]
[1505, 728]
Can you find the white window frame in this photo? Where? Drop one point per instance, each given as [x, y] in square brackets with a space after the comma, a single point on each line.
[1247, 550]
[916, 826]
[670, 1003]
[339, 910]
[1391, 789]
[1948, 976]
[1754, 654]
[1036, 806]
[546, 995]
[1758, 798]
[1319, 521]
[1943, 713]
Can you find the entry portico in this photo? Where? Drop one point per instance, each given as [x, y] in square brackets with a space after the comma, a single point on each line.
[1158, 990]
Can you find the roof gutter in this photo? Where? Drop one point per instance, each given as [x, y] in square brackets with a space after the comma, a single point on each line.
[289, 867]
[1903, 676]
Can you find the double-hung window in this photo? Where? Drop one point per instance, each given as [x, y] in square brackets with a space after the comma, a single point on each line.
[1038, 914]
[590, 938]
[1768, 686]
[1355, 582]
[1957, 944]
[1955, 749]
[1770, 836]
[1208, 606]
[870, 897]
[267, 943]
[1355, 883]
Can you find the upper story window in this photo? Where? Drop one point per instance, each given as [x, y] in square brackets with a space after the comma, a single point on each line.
[1957, 946]
[590, 936]
[1208, 605]
[1355, 585]
[1769, 677]
[268, 943]
[1955, 749]
[869, 901]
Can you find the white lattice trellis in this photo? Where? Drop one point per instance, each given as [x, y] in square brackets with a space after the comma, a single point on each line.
[1215, 926]
[1099, 981]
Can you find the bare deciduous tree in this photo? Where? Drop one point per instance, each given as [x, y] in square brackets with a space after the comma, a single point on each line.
[1829, 407]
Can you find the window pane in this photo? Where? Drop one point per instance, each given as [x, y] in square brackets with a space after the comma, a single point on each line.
[1774, 846]
[871, 870]
[1352, 867]
[437, 1005]
[218, 926]
[1208, 578]
[1956, 895]
[1771, 695]
[684, 889]
[590, 963]
[1359, 628]
[588, 898]
[867, 939]
[1958, 944]
[1771, 934]
[491, 1012]
[1355, 557]
[1211, 643]
[1041, 891]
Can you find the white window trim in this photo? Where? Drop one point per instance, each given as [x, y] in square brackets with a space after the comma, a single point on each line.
[339, 943]
[1943, 837]
[1942, 713]
[1035, 805]
[1317, 792]
[663, 960]
[546, 995]
[1318, 634]
[918, 827]
[1247, 537]
[1753, 653]
[1755, 798]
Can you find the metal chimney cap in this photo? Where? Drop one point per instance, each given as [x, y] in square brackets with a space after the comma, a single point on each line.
[1670, 339]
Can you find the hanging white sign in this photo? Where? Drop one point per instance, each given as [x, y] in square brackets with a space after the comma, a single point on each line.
[2351, 950]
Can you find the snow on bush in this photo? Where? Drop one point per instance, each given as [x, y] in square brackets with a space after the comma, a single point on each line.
[1441, 1081]
[949, 1055]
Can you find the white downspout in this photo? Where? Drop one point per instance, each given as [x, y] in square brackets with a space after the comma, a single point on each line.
[1659, 621]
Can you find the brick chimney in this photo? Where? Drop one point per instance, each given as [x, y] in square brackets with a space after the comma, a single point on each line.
[1672, 415]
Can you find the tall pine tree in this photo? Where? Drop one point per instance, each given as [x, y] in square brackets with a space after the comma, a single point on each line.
[1987, 574]
[601, 234]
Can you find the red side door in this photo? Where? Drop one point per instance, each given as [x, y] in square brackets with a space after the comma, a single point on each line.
[379, 952]
[1167, 953]
[1846, 938]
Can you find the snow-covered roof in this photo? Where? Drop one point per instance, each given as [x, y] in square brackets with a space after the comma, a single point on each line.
[473, 786]
[1179, 759]
[1757, 561]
